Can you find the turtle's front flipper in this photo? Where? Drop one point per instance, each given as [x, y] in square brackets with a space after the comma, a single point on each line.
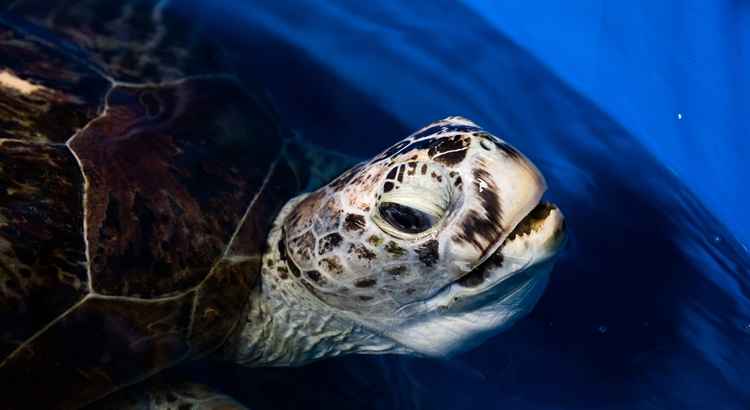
[163, 395]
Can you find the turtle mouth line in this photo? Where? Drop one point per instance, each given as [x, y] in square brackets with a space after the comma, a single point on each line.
[531, 222]
[512, 267]
[487, 273]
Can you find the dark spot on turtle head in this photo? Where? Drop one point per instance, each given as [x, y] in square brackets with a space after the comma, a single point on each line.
[400, 176]
[539, 213]
[282, 245]
[397, 271]
[283, 256]
[428, 253]
[392, 173]
[424, 169]
[410, 291]
[357, 180]
[436, 176]
[388, 186]
[363, 253]
[365, 283]
[304, 245]
[472, 229]
[421, 144]
[412, 168]
[365, 298]
[446, 144]
[293, 267]
[451, 158]
[329, 242]
[375, 240]
[479, 274]
[473, 279]
[489, 197]
[331, 264]
[458, 182]
[282, 272]
[354, 222]
[487, 227]
[392, 248]
[313, 275]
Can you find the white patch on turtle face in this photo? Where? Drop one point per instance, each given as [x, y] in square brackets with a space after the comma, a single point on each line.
[399, 243]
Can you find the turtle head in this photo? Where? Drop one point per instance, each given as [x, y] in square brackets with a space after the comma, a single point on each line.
[437, 243]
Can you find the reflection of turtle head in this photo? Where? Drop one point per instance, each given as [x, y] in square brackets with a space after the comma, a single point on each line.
[433, 245]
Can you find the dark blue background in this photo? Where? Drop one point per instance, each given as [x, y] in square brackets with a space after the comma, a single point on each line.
[641, 62]
[649, 306]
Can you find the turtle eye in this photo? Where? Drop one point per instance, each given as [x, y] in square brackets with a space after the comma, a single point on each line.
[414, 200]
[405, 218]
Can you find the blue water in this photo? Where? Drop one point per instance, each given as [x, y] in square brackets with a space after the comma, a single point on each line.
[671, 73]
[637, 115]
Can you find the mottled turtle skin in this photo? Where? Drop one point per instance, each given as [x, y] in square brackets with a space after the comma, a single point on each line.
[136, 189]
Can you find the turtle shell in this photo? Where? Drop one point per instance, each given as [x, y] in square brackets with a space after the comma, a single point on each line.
[132, 212]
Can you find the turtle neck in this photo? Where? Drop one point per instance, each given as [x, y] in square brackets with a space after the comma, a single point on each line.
[286, 325]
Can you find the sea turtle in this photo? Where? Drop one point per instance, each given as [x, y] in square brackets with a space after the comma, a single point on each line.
[152, 214]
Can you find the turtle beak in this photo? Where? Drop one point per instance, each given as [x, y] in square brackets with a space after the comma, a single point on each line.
[504, 188]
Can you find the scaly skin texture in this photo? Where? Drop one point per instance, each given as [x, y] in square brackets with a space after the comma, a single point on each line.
[389, 257]
[288, 326]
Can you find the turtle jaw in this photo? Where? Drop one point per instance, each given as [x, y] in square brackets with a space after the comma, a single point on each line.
[537, 238]
[491, 297]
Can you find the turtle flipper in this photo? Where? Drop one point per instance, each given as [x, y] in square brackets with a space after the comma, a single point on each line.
[166, 395]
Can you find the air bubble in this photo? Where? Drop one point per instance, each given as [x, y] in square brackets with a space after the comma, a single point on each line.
[602, 329]
[679, 115]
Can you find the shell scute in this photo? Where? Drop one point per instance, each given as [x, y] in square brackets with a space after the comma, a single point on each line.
[170, 177]
[116, 342]
[42, 249]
